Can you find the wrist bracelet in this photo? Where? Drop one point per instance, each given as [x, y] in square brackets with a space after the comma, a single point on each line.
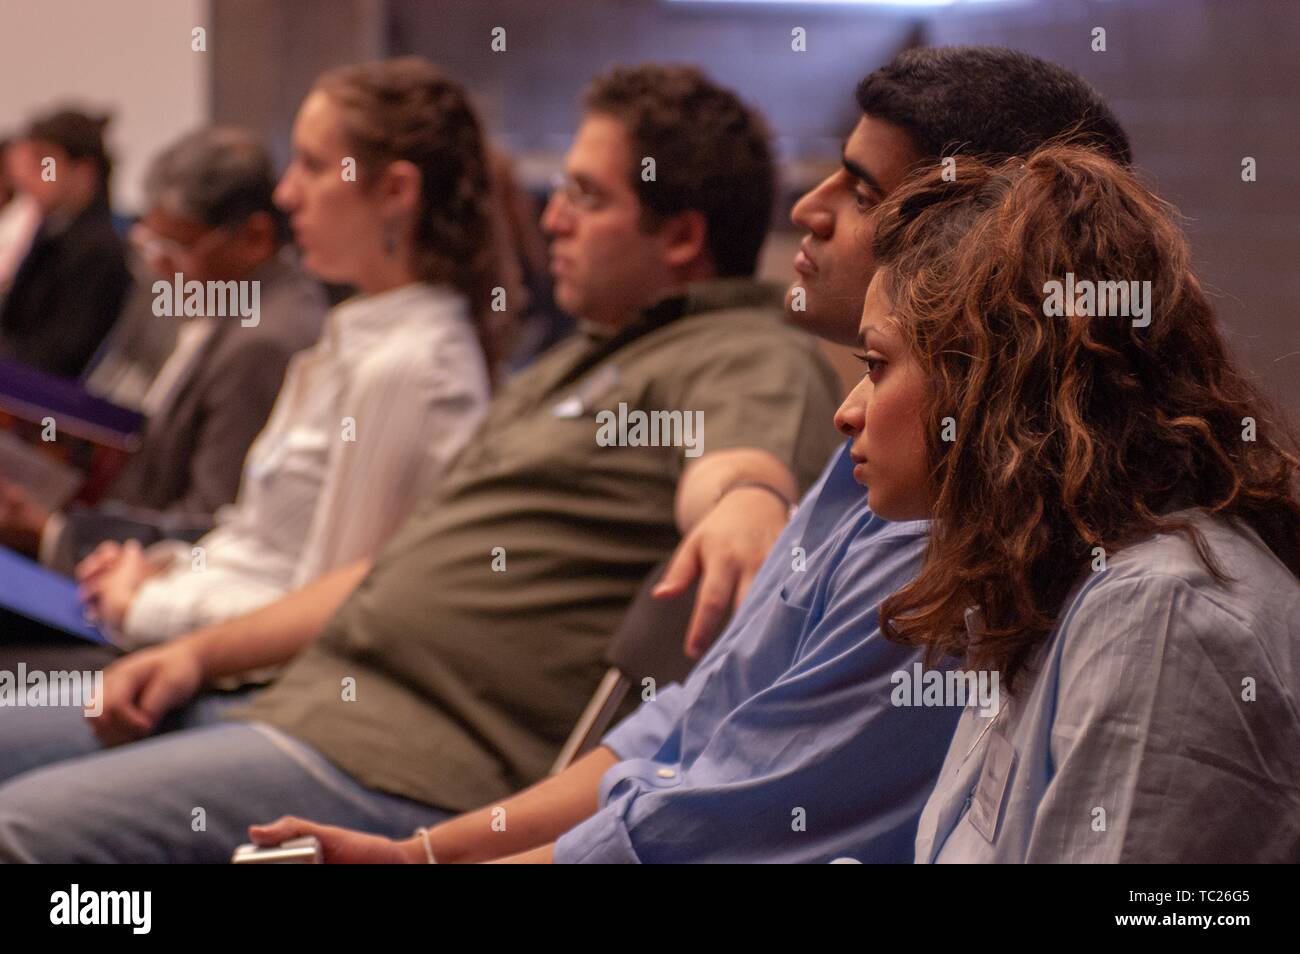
[761, 485]
[428, 848]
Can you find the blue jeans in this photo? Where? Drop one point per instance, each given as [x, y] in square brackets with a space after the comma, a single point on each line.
[186, 795]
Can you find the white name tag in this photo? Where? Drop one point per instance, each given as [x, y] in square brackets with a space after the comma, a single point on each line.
[994, 783]
[601, 383]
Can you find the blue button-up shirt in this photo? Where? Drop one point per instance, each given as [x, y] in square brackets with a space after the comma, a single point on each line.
[1161, 722]
[783, 745]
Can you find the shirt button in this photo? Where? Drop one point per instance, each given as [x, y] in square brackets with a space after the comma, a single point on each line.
[666, 773]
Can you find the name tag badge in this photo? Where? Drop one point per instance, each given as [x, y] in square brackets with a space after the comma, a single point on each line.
[994, 783]
[571, 406]
[584, 398]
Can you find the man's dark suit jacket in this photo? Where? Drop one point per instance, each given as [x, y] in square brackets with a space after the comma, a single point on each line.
[66, 293]
[192, 454]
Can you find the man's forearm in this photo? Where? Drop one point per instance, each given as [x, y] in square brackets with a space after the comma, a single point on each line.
[276, 633]
[704, 479]
[536, 816]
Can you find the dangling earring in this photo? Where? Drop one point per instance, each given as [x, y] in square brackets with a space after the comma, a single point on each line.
[390, 239]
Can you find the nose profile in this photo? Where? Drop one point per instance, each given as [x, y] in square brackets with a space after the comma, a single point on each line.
[284, 195]
[850, 418]
[553, 219]
[810, 212]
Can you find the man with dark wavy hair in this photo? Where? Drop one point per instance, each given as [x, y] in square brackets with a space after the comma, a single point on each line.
[680, 162]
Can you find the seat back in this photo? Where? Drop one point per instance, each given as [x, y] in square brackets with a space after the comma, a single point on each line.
[647, 645]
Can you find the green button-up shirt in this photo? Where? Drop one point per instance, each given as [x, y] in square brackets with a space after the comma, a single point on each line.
[457, 668]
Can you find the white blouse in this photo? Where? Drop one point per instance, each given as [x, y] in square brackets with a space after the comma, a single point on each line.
[365, 424]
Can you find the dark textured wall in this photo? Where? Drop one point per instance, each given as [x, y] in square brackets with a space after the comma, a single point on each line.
[1198, 83]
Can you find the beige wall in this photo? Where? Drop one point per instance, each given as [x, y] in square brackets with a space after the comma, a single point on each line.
[130, 56]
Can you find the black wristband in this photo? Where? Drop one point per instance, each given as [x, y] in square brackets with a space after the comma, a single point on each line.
[761, 485]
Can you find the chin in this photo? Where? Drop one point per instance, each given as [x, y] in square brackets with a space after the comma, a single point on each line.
[808, 316]
[833, 328]
[324, 269]
[566, 300]
[894, 511]
[882, 506]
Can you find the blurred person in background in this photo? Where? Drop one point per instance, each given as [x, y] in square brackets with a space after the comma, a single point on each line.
[210, 218]
[71, 284]
[19, 219]
[389, 192]
[538, 323]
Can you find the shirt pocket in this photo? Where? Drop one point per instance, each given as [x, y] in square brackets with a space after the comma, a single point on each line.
[792, 616]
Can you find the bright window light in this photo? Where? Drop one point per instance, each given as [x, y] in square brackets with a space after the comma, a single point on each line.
[847, 3]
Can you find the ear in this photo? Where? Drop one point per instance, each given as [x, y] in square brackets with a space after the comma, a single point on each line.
[400, 187]
[258, 230]
[685, 238]
[86, 170]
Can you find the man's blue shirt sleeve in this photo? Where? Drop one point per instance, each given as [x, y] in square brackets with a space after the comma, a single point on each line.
[819, 764]
[647, 730]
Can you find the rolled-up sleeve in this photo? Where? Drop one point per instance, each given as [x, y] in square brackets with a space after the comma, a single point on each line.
[802, 770]
[644, 733]
[637, 740]
[605, 838]
[600, 840]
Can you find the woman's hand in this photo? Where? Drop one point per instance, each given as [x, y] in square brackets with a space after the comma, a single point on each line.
[341, 846]
[109, 580]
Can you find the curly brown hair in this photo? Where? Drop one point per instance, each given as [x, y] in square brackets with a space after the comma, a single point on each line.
[712, 154]
[1072, 432]
[406, 109]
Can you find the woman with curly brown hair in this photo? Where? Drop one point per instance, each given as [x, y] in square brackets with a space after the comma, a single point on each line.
[1116, 530]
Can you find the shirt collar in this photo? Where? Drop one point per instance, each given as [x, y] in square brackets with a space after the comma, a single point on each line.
[363, 318]
[719, 294]
[694, 298]
[273, 268]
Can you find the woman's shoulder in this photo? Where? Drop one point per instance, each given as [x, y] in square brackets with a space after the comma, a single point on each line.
[1157, 597]
[1171, 557]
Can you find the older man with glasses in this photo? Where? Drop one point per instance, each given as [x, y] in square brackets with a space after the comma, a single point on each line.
[210, 218]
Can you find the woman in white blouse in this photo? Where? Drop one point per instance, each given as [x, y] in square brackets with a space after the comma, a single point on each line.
[389, 192]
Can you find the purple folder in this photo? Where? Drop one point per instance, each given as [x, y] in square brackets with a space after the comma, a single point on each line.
[32, 395]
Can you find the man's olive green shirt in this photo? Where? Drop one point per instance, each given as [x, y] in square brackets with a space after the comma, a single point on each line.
[456, 669]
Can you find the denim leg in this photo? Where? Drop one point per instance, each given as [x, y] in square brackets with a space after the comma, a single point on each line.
[186, 796]
[32, 737]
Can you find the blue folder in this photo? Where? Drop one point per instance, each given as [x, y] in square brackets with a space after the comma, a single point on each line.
[33, 598]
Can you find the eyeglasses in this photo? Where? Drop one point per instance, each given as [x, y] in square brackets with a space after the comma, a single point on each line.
[154, 247]
[576, 194]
